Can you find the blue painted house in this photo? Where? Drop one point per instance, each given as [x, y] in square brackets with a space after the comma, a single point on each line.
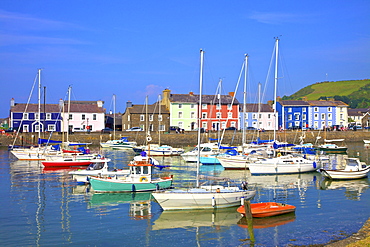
[257, 116]
[314, 114]
[27, 118]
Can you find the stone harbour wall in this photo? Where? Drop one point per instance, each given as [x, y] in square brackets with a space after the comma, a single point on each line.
[188, 139]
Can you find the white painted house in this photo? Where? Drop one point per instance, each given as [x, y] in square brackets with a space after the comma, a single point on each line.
[83, 116]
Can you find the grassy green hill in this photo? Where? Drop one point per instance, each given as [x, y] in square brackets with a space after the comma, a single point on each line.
[356, 93]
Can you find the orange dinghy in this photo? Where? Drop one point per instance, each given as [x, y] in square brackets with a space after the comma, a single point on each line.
[265, 209]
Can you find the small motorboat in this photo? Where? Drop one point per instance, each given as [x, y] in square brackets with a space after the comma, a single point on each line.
[354, 169]
[96, 169]
[266, 209]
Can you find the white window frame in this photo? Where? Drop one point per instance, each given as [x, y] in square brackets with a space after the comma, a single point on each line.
[25, 116]
[160, 117]
[51, 127]
[142, 117]
[204, 106]
[48, 116]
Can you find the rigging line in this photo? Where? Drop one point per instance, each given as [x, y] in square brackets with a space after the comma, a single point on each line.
[268, 74]
[25, 110]
[56, 121]
[232, 101]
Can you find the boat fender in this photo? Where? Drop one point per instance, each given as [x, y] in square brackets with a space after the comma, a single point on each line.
[279, 154]
[149, 139]
[143, 179]
[213, 202]
[218, 190]
[314, 164]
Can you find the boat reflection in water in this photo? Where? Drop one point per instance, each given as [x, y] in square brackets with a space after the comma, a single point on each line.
[140, 203]
[353, 188]
[267, 222]
[196, 218]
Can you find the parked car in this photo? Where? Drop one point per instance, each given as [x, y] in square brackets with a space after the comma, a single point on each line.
[79, 129]
[106, 130]
[230, 128]
[135, 129]
[294, 128]
[11, 129]
[250, 128]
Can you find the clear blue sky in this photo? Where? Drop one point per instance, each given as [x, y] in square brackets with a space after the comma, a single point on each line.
[138, 48]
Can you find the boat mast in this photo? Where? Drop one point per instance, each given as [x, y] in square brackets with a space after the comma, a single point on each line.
[200, 110]
[39, 108]
[275, 85]
[259, 109]
[114, 117]
[244, 98]
[159, 120]
[68, 110]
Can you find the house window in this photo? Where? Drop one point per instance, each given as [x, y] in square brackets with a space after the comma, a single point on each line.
[303, 109]
[218, 106]
[229, 106]
[180, 106]
[229, 115]
[204, 106]
[341, 116]
[83, 116]
[180, 115]
[323, 124]
[329, 109]
[204, 115]
[323, 116]
[129, 118]
[94, 116]
[218, 115]
[304, 117]
[192, 106]
[316, 109]
[25, 117]
[289, 109]
[268, 115]
[37, 128]
[316, 116]
[296, 116]
[254, 116]
[70, 117]
[330, 123]
[48, 116]
[51, 127]
[232, 124]
[142, 118]
[290, 117]
[161, 127]
[204, 125]
[246, 116]
[25, 128]
[37, 117]
[160, 118]
[223, 125]
[192, 114]
[150, 117]
[180, 124]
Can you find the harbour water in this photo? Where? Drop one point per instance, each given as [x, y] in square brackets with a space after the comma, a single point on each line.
[46, 208]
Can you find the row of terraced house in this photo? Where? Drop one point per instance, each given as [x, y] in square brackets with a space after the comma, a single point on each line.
[182, 111]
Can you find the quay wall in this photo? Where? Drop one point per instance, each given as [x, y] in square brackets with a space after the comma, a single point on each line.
[188, 139]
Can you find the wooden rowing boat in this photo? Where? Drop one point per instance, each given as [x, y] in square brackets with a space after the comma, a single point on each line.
[266, 209]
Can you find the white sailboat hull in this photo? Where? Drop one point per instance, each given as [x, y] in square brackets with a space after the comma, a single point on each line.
[234, 162]
[201, 198]
[283, 166]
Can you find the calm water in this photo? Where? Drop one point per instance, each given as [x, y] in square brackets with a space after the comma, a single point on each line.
[46, 208]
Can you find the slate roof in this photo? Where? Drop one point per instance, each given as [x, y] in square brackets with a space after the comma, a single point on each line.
[74, 108]
[152, 109]
[254, 108]
[206, 99]
[311, 103]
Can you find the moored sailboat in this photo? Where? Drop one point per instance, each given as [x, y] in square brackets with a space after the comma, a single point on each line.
[202, 197]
